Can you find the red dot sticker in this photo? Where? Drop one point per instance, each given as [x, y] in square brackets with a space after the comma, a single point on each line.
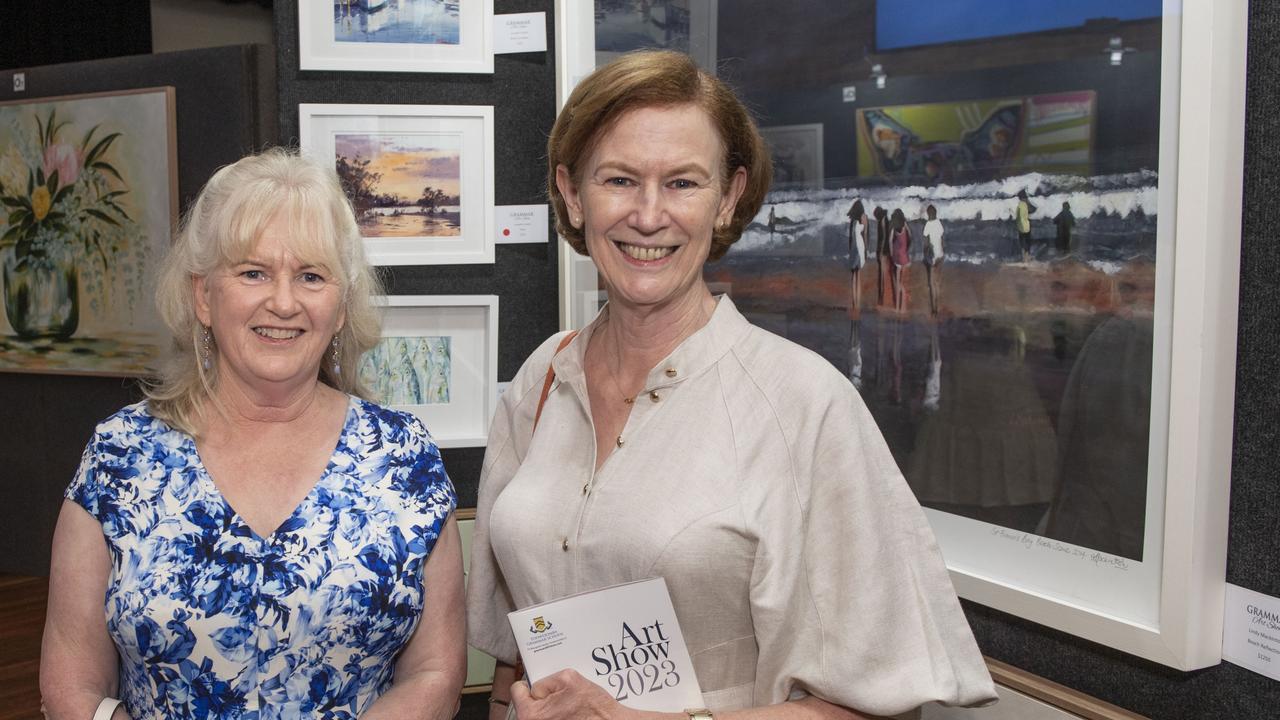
[506, 232]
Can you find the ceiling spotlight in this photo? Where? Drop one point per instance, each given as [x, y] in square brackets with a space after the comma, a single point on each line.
[877, 74]
[1116, 50]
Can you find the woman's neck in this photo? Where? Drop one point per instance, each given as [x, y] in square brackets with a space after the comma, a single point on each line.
[240, 408]
[634, 339]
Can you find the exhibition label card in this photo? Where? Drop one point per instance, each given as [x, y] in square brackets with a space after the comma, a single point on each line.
[521, 224]
[1251, 631]
[519, 32]
[624, 638]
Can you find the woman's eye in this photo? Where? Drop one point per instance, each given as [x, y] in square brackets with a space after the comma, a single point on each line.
[252, 275]
[312, 278]
[683, 184]
[618, 181]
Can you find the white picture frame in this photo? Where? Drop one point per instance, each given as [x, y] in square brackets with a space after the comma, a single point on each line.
[338, 36]
[1172, 614]
[470, 322]
[455, 141]
[797, 154]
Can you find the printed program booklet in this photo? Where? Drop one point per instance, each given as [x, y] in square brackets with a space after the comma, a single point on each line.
[624, 638]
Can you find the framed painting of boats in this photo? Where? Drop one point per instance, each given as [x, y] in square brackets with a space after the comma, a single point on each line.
[430, 36]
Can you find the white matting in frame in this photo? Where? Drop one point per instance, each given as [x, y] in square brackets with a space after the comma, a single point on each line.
[433, 36]
[420, 177]
[438, 359]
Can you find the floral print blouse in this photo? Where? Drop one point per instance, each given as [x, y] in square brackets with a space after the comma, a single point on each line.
[212, 620]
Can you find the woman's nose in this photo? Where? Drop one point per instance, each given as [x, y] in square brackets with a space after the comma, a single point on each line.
[650, 214]
[283, 299]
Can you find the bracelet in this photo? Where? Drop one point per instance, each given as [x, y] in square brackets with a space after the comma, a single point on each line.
[106, 708]
[495, 701]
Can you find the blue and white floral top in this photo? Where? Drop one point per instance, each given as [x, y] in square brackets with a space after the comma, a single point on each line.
[213, 621]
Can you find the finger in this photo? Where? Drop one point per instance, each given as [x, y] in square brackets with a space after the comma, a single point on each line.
[519, 692]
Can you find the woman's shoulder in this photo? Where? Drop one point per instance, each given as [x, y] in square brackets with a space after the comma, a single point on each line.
[783, 368]
[129, 423]
[382, 425]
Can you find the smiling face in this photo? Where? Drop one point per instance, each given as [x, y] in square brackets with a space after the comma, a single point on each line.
[272, 314]
[648, 198]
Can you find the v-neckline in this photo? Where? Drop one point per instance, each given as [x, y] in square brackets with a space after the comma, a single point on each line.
[207, 478]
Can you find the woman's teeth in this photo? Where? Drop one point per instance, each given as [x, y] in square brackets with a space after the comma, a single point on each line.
[646, 253]
[277, 333]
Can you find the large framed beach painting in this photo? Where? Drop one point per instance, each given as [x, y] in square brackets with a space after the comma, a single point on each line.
[438, 36]
[1053, 372]
[438, 358]
[88, 185]
[419, 177]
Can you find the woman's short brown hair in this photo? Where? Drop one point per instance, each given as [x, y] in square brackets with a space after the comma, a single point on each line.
[657, 78]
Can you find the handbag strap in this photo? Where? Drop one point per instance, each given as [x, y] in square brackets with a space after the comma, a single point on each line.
[551, 377]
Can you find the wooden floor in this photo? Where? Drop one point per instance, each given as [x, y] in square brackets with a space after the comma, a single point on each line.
[22, 603]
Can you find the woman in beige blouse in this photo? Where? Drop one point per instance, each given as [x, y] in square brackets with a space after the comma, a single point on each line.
[680, 441]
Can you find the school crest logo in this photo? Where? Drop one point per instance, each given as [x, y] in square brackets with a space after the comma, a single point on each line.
[540, 625]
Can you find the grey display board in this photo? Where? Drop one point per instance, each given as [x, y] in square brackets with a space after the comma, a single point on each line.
[522, 91]
[224, 106]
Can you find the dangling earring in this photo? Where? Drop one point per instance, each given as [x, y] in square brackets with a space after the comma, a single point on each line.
[206, 353]
[337, 367]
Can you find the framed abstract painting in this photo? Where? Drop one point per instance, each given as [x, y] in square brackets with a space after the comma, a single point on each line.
[419, 177]
[434, 36]
[1022, 247]
[438, 358]
[88, 185]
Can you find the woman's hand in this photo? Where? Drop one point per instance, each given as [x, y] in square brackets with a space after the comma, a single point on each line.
[567, 695]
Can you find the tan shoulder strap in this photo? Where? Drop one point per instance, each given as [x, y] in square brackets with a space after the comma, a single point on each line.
[551, 377]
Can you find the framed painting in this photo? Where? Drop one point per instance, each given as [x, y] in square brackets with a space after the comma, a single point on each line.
[88, 185]
[433, 36]
[796, 151]
[419, 177]
[1040, 310]
[438, 358]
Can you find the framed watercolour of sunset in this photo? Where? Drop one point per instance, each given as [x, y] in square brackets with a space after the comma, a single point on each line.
[419, 177]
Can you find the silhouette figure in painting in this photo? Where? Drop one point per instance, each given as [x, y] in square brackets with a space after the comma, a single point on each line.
[883, 266]
[933, 256]
[1023, 221]
[900, 253]
[1065, 221]
[857, 253]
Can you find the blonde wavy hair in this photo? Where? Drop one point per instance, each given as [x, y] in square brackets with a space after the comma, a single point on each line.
[220, 229]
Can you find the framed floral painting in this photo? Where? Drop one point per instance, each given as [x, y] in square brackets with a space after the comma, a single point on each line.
[438, 358]
[88, 185]
[420, 177]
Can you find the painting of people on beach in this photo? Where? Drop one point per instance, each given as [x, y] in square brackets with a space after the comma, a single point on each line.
[402, 184]
[409, 370]
[1013, 385]
[420, 22]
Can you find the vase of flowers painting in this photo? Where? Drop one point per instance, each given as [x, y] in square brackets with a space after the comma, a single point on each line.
[64, 224]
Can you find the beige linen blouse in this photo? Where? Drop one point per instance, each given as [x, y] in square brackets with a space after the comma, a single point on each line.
[751, 476]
